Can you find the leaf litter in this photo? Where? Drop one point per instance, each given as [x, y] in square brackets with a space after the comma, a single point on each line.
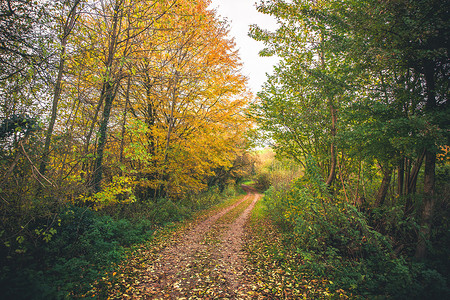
[200, 260]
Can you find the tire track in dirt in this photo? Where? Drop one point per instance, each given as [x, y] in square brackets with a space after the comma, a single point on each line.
[231, 255]
[174, 263]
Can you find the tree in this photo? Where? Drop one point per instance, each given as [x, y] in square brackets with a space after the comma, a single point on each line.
[412, 40]
[25, 68]
[67, 24]
[189, 120]
[117, 25]
[388, 64]
[19, 37]
[310, 78]
[174, 110]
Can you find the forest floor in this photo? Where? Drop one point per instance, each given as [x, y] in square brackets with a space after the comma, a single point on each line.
[202, 259]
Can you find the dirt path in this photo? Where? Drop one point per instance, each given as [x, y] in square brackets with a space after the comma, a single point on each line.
[206, 262]
[230, 249]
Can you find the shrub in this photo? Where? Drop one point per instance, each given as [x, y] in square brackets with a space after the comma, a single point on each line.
[83, 249]
[166, 211]
[262, 181]
[335, 240]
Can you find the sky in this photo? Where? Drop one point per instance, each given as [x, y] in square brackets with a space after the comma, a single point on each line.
[240, 15]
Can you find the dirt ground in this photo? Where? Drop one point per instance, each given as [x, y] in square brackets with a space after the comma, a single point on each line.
[205, 261]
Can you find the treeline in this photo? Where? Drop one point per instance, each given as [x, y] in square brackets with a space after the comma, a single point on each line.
[138, 93]
[126, 107]
[360, 101]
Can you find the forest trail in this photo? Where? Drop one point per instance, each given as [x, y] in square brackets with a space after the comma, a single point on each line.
[204, 261]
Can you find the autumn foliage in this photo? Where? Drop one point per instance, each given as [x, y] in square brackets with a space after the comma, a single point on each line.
[114, 106]
[151, 103]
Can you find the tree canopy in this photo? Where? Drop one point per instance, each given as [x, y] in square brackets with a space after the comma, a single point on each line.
[364, 79]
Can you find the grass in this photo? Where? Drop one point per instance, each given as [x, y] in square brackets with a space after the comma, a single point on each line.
[249, 182]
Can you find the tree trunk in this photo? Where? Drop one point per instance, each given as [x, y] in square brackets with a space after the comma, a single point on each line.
[401, 174]
[332, 173]
[428, 205]
[67, 28]
[429, 175]
[124, 122]
[382, 191]
[94, 121]
[407, 167]
[171, 121]
[411, 182]
[56, 96]
[355, 199]
[150, 117]
[109, 94]
[98, 171]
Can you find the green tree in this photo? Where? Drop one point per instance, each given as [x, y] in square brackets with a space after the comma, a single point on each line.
[66, 21]
[387, 63]
[406, 43]
[300, 102]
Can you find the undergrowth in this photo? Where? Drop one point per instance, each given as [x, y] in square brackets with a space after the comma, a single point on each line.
[320, 239]
[61, 254]
[280, 269]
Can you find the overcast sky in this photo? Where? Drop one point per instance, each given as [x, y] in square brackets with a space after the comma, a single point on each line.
[241, 14]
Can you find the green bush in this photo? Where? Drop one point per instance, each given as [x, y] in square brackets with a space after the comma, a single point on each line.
[83, 249]
[262, 181]
[210, 197]
[335, 240]
[166, 211]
